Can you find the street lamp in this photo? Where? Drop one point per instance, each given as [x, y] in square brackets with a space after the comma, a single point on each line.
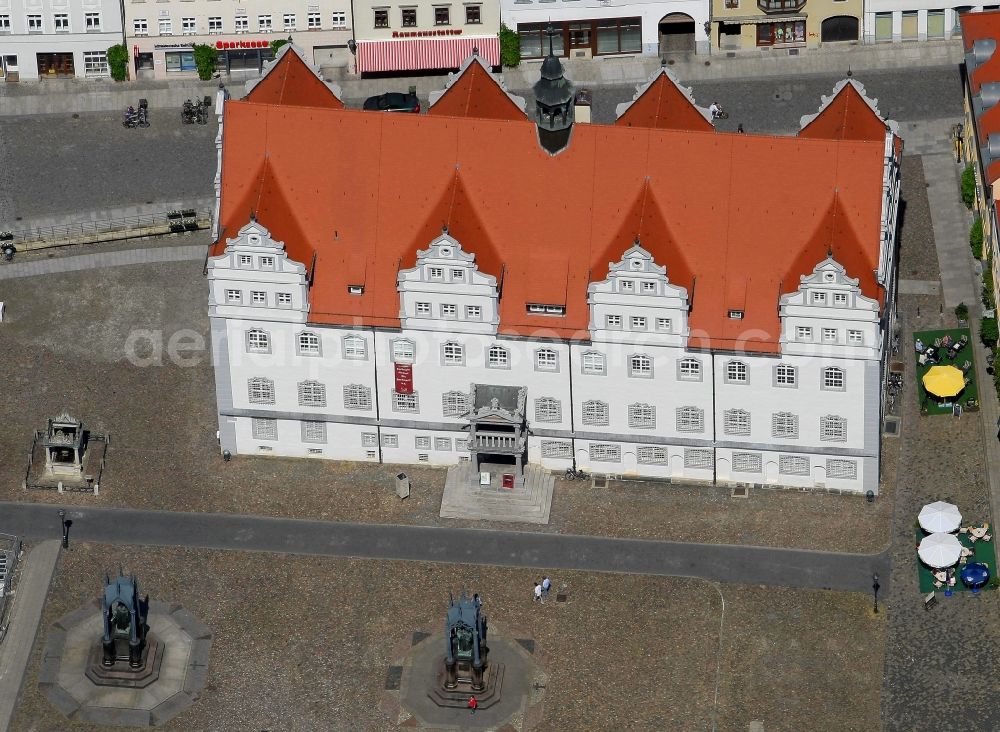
[875, 588]
[65, 528]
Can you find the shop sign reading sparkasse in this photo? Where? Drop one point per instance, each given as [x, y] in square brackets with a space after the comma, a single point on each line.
[225, 45]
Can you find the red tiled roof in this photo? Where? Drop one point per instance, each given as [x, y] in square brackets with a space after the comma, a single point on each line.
[475, 93]
[979, 26]
[364, 191]
[847, 117]
[663, 106]
[289, 81]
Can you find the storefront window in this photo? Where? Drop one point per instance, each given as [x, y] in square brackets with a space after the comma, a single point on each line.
[935, 24]
[180, 61]
[144, 61]
[535, 41]
[774, 34]
[607, 36]
[631, 31]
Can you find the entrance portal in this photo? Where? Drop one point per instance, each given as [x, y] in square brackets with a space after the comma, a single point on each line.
[676, 34]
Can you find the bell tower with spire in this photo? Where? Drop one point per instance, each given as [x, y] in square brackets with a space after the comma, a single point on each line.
[554, 103]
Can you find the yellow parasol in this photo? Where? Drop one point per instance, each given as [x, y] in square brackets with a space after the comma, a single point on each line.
[944, 381]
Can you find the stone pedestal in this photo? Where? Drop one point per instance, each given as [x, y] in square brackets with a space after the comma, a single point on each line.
[121, 673]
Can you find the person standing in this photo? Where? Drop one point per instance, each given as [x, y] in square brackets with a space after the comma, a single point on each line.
[546, 587]
[538, 593]
[473, 704]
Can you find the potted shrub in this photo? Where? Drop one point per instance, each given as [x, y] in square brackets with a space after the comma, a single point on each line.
[962, 313]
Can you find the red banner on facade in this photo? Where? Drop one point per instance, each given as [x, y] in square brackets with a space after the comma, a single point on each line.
[404, 378]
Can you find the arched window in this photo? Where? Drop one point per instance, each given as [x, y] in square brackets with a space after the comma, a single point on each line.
[357, 396]
[548, 409]
[833, 428]
[403, 350]
[640, 365]
[452, 354]
[736, 372]
[641, 416]
[258, 341]
[833, 378]
[498, 357]
[784, 375]
[736, 422]
[689, 369]
[546, 360]
[355, 348]
[690, 419]
[308, 344]
[595, 412]
[454, 403]
[594, 363]
[784, 424]
[312, 394]
[261, 390]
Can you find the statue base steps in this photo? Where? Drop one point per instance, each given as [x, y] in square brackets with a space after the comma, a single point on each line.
[121, 674]
[458, 698]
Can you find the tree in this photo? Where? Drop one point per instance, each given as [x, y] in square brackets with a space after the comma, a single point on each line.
[278, 43]
[510, 47]
[205, 58]
[118, 62]
[976, 238]
[969, 185]
[988, 333]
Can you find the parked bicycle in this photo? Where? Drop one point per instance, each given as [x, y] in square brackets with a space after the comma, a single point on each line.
[188, 113]
[201, 113]
[574, 474]
[142, 117]
[131, 119]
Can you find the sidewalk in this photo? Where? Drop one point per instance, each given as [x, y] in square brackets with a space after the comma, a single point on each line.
[29, 601]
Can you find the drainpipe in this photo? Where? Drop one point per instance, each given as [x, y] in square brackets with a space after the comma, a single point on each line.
[378, 414]
[572, 427]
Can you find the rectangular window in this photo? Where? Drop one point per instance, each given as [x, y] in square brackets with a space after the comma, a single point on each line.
[381, 18]
[442, 443]
[689, 369]
[422, 443]
[604, 452]
[842, 469]
[458, 274]
[140, 27]
[613, 321]
[651, 455]
[833, 429]
[736, 422]
[369, 439]
[409, 18]
[840, 299]
[288, 21]
[454, 403]
[829, 335]
[473, 15]
[312, 394]
[461, 445]
[746, 462]
[436, 273]
[180, 61]
[793, 465]
[473, 312]
[188, 27]
[556, 449]
[241, 24]
[234, 297]
[264, 23]
[405, 402]
[449, 311]
[339, 19]
[819, 298]
[935, 24]
[92, 22]
[803, 333]
[442, 16]
[61, 22]
[165, 28]
[641, 416]
[95, 64]
[736, 315]
[5, 24]
[638, 323]
[627, 286]
[423, 309]
[370, 454]
[784, 425]
[34, 23]
[595, 413]
[698, 459]
[308, 344]
[264, 429]
[423, 457]
[390, 440]
[855, 337]
[663, 324]
[283, 299]
[548, 409]
[267, 262]
[648, 286]
[314, 432]
[690, 419]
[215, 24]
[357, 396]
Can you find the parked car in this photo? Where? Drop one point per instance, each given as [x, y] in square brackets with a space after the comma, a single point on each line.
[393, 102]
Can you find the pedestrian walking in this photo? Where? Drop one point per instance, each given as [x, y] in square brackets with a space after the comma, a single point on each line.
[739, 129]
[538, 593]
[473, 704]
[546, 586]
[477, 600]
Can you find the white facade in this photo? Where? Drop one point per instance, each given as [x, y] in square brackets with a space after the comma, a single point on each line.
[632, 400]
[912, 20]
[161, 33]
[658, 22]
[57, 38]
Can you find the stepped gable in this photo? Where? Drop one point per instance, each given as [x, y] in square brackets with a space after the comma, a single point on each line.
[291, 79]
[847, 114]
[473, 91]
[663, 103]
[714, 209]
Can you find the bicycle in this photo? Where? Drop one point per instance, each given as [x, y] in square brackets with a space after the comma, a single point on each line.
[574, 474]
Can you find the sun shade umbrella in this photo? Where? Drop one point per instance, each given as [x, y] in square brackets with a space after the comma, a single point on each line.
[939, 516]
[940, 550]
[944, 381]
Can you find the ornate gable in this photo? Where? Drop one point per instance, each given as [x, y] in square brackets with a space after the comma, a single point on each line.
[661, 102]
[473, 91]
[847, 114]
[291, 79]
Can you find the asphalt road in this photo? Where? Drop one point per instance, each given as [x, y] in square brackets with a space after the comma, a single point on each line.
[721, 563]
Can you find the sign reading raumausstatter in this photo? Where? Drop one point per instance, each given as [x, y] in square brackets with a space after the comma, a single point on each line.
[428, 33]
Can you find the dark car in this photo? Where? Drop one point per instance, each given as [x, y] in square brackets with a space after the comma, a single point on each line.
[393, 102]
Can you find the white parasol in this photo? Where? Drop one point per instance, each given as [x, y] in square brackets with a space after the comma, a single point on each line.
[940, 516]
[940, 550]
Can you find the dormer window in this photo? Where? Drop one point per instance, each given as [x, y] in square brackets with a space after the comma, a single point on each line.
[540, 309]
[736, 315]
[627, 286]
[840, 299]
[246, 260]
[458, 274]
[648, 286]
[436, 273]
[819, 298]
[267, 262]
[356, 289]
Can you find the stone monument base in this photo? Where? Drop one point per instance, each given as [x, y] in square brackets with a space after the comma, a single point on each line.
[121, 674]
[458, 698]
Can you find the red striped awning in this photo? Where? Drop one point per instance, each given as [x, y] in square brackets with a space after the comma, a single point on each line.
[425, 53]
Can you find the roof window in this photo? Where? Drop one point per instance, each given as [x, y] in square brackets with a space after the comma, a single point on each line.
[356, 289]
[541, 309]
[736, 315]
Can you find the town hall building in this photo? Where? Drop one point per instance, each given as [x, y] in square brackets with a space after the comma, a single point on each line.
[650, 298]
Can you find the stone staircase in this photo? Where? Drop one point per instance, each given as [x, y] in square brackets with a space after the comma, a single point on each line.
[529, 502]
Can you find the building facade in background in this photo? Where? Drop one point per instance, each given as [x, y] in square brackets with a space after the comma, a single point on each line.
[914, 20]
[630, 300]
[424, 35]
[161, 34]
[591, 28]
[57, 38]
[747, 25]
